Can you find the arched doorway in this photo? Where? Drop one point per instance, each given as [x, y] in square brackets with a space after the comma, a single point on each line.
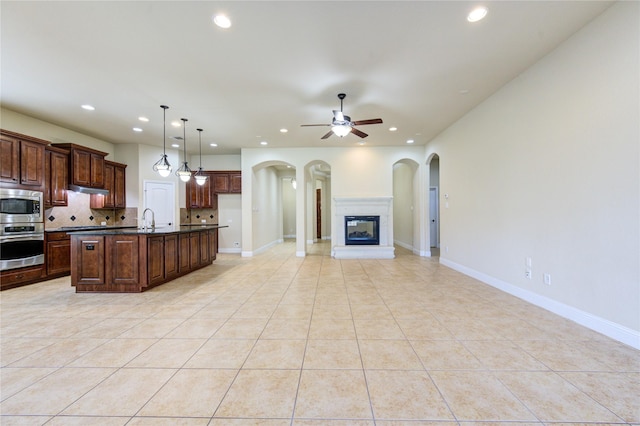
[434, 205]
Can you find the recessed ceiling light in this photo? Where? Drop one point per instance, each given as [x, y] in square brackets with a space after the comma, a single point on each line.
[361, 143]
[410, 141]
[264, 143]
[463, 91]
[222, 21]
[213, 144]
[283, 130]
[145, 119]
[175, 145]
[477, 14]
[393, 129]
[175, 124]
[88, 107]
[137, 129]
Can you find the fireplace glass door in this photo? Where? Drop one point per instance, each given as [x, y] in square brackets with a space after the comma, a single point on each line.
[361, 230]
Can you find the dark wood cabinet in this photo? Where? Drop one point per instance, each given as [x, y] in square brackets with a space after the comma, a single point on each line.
[86, 165]
[171, 250]
[200, 196]
[56, 177]
[87, 262]
[225, 182]
[122, 261]
[22, 276]
[114, 182]
[22, 161]
[155, 260]
[58, 254]
[235, 182]
[184, 260]
[134, 262]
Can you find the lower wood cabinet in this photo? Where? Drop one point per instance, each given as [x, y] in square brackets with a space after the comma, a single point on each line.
[58, 254]
[134, 262]
[18, 277]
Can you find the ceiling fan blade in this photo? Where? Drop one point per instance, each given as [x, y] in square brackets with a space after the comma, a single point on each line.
[338, 115]
[310, 125]
[327, 135]
[371, 121]
[358, 132]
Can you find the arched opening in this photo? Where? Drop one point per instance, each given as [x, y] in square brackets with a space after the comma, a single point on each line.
[405, 225]
[433, 165]
[318, 206]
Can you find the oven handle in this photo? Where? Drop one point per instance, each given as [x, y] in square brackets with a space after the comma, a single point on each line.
[22, 237]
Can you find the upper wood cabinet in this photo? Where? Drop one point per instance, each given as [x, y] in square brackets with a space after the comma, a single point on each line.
[56, 166]
[22, 161]
[200, 196]
[86, 165]
[114, 182]
[235, 182]
[226, 182]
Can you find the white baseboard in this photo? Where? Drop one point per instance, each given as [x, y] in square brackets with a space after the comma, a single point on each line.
[229, 250]
[403, 245]
[261, 249]
[608, 328]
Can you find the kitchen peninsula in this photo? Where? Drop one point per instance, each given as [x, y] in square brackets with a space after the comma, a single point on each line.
[132, 260]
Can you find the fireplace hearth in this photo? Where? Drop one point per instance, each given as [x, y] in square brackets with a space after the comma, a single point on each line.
[361, 230]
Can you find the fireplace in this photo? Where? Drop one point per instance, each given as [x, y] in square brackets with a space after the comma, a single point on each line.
[361, 230]
[368, 207]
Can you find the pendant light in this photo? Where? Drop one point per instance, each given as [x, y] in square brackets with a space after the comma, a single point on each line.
[184, 172]
[200, 177]
[162, 166]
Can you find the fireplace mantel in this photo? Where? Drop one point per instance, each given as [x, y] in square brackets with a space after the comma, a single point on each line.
[364, 206]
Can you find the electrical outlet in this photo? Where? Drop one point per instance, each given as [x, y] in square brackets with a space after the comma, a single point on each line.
[528, 274]
[236, 244]
[547, 278]
[203, 220]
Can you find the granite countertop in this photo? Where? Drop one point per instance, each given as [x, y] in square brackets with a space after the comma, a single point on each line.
[86, 228]
[145, 231]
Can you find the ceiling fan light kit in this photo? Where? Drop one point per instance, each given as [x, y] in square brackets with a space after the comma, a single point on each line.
[341, 125]
[162, 166]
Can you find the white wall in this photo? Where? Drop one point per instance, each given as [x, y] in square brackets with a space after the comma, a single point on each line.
[355, 172]
[403, 205]
[230, 214]
[548, 168]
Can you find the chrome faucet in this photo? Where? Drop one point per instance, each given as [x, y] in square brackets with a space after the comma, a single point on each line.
[153, 219]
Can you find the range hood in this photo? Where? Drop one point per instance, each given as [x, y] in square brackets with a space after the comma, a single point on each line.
[87, 190]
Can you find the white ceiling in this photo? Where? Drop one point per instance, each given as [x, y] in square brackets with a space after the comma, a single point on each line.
[418, 65]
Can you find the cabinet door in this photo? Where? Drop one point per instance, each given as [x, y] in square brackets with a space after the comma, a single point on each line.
[119, 188]
[89, 264]
[155, 259]
[199, 196]
[170, 256]
[9, 159]
[81, 167]
[213, 244]
[184, 258]
[97, 171]
[58, 178]
[47, 179]
[204, 248]
[194, 250]
[122, 256]
[108, 200]
[58, 254]
[235, 182]
[31, 163]
[220, 182]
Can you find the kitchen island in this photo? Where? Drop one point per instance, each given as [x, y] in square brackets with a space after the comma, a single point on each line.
[132, 260]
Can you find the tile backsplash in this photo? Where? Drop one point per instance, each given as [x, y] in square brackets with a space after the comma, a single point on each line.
[79, 213]
[196, 216]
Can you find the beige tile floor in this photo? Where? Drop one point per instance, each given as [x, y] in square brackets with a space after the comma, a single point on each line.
[281, 340]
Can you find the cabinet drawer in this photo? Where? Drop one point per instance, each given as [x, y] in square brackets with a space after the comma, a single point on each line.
[24, 275]
[57, 236]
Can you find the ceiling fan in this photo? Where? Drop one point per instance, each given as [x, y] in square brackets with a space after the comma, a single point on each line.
[342, 125]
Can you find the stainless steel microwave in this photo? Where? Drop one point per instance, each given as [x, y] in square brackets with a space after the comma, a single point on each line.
[20, 206]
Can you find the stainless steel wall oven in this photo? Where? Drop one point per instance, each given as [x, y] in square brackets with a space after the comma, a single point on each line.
[21, 229]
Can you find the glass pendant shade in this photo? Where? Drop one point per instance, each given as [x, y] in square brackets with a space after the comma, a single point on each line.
[341, 130]
[162, 166]
[184, 172]
[200, 177]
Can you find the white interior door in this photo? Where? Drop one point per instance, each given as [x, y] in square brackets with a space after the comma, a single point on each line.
[160, 198]
[433, 216]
